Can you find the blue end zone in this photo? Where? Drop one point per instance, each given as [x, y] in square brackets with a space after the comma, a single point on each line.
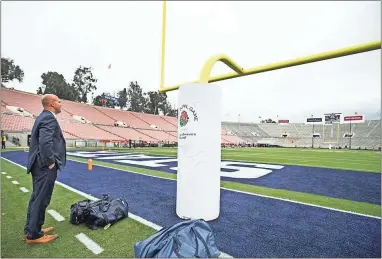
[248, 226]
[342, 184]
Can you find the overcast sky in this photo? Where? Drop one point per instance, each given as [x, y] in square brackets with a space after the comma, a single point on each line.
[60, 36]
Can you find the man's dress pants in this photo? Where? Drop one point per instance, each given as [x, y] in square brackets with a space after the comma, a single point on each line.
[43, 179]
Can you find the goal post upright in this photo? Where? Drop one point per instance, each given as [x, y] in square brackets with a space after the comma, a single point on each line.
[195, 113]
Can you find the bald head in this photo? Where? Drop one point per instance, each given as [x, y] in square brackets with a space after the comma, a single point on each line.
[51, 102]
[47, 99]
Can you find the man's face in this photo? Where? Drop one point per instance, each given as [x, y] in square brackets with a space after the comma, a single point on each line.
[56, 104]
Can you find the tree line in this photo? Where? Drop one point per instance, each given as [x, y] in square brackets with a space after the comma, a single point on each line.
[84, 84]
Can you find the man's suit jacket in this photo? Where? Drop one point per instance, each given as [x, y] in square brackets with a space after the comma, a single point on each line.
[47, 144]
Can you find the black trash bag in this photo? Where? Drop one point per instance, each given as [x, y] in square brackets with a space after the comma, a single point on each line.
[107, 213]
[100, 213]
[79, 212]
[186, 239]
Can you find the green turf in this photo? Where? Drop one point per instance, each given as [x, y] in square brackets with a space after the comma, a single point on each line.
[13, 213]
[359, 160]
[117, 241]
[347, 205]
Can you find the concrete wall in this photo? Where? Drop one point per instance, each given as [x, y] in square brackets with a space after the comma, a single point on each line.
[22, 136]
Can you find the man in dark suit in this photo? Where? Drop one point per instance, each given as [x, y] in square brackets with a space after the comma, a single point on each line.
[47, 154]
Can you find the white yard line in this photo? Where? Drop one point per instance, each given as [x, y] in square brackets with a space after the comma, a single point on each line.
[90, 244]
[23, 189]
[15, 182]
[57, 216]
[9, 177]
[3, 172]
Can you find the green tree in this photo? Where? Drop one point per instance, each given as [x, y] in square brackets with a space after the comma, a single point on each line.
[169, 111]
[122, 98]
[155, 101]
[84, 83]
[55, 83]
[10, 71]
[136, 98]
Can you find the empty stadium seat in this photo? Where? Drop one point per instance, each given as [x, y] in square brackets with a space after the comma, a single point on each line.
[27, 101]
[16, 123]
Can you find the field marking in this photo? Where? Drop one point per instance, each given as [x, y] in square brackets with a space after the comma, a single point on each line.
[254, 194]
[9, 177]
[57, 216]
[3, 172]
[131, 215]
[23, 189]
[15, 182]
[90, 244]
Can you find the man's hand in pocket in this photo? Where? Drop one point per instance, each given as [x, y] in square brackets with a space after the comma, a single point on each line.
[52, 165]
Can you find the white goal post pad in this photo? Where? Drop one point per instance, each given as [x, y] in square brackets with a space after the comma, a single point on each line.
[199, 152]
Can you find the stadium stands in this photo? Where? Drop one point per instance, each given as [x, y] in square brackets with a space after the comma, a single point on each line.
[87, 112]
[128, 133]
[155, 122]
[87, 122]
[31, 103]
[3, 108]
[365, 135]
[16, 123]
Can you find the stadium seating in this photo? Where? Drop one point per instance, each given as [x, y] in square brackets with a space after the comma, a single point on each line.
[155, 121]
[16, 123]
[26, 101]
[365, 135]
[128, 133]
[87, 112]
[3, 108]
[87, 131]
[87, 122]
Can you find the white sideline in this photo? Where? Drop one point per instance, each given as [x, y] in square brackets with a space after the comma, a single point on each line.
[249, 193]
[23, 189]
[15, 182]
[90, 244]
[131, 215]
[57, 216]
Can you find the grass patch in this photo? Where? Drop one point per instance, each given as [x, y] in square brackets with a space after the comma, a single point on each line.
[348, 205]
[117, 241]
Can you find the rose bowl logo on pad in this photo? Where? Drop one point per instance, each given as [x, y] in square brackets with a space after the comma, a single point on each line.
[187, 114]
[183, 118]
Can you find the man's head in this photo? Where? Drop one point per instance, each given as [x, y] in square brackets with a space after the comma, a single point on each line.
[52, 103]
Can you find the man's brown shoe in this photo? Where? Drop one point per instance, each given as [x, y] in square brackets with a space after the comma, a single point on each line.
[44, 230]
[42, 240]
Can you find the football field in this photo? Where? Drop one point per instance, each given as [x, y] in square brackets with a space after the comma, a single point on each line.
[274, 202]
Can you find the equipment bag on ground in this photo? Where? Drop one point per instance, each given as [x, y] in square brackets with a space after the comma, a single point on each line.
[100, 213]
[192, 238]
[107, 212]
